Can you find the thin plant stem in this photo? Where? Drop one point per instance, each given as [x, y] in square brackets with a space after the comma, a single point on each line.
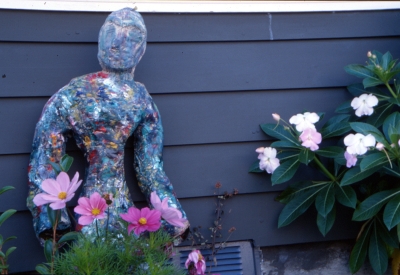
[97, 230]
[390, 90]
[324, 170]
[108, 218]
[53, 253]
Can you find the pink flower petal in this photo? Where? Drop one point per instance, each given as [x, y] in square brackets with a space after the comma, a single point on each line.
[51, 187]
[63, 181]
[57, 205]
[85, 220]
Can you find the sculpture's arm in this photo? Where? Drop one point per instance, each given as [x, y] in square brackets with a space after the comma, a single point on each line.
[148, 159]
[48, 145]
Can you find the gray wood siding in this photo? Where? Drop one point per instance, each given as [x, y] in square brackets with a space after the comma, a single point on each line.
[215, 78]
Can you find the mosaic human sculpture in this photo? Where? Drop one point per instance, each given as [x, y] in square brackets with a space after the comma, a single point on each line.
[102, 110]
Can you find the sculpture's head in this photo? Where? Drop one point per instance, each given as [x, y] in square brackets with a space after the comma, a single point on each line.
[122, 41]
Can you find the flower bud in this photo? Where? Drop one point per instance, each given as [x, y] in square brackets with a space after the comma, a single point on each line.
[399, 142]
[260, 150]
[392, 145]
[373, 56]
[369, 54]
[379, 146]
[276, 117]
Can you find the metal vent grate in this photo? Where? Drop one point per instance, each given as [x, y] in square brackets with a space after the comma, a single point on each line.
[235, 259]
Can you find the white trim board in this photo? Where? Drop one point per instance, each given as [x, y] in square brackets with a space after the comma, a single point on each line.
[199, 6]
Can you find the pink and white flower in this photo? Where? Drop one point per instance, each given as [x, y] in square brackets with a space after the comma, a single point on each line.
[364, 104]
[351, 160]
[57, 191]
[268, 160]
[311, 138]
[358, 144]
[91, 208]
[195, 262]
[171, 215]
[304, 121]
[142, 220]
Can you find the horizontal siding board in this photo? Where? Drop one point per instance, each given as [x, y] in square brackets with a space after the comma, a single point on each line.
[84, 26]
[37, 69]
[188, 118]
[260, 225]
[193, 171]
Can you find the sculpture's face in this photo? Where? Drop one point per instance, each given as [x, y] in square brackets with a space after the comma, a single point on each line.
[120, 48]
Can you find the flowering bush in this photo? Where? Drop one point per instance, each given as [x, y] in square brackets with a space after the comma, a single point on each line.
[361, 172]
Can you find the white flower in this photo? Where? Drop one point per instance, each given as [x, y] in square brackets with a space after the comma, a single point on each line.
[358, 144]
[379, 146]
[268, 160]
[304, 121]
[363, 104]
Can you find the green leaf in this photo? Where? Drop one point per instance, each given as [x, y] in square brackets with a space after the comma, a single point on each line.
[9, 239]
[5, 215]
[355, 174]
[386, 60]
[255, 167]
[365, 129]
[42, 269]
[391, 214]
[371, 206]
[371, 82]
[286, 155]
[70, 236]
[5, 189]
[359, 251]
[359, 71]
[377, 159]
[356, 89]
[53, 215]
[48, 250]
[330, 152]
[325, 223]
[284, 144]
[394, 171]
[381, 112]
[279, 132]
[297, 206]
[377, 253]
[56, 167]
[66, 162]
[306, 156]
[346, 196]
[10, 250]
[325, 200]
[285, 171]
[390, 123]
[389, 237]
[345, 107]
[297, 189]
[336, 126]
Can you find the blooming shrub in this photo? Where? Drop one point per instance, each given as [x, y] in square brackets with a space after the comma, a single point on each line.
[361, 172]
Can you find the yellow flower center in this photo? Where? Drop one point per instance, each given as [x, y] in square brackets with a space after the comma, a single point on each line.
[62, 195]
[95, 211]
[142, 221]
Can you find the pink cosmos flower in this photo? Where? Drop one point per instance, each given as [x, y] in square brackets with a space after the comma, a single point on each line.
[58, 191]
[351, 159]
[304, 121]
[142, 220]
[196, 262]
[358, 144]
[91, 208]
[311, 138]
[171, 215]
[268, 160]
[363, 104]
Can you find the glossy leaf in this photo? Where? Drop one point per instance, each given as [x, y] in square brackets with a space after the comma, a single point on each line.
[393, 171]
[70, 236]
[377, 253]
[360, 249]
[5, 189]
[388, 236]
[66, 162]
[10, 250]
[345, 107]
[297, 189]
[336, 126]
[279, 132]
[56, 167]
[391, 214]
[377, 159]
[330, 151]
[285, 171]
[386, 60]
[284, 144]
[9, 239]
[371, 82]
[297, 206]
[325, 200]
[53, 215]
[306, 156]
[365, 129]
[346, 196]
[42, 269]
[379, 115]
[286, 155]
[359, 71]
[6, 214]
[390, 122]
[325, 223]
[371, 206]
[48, 250]
[355, 174]
[255, 167]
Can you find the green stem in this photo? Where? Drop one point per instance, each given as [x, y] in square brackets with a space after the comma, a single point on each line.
[390, 90]
[97, 230]
[108, 218]
[54, 241]
[324, 170]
